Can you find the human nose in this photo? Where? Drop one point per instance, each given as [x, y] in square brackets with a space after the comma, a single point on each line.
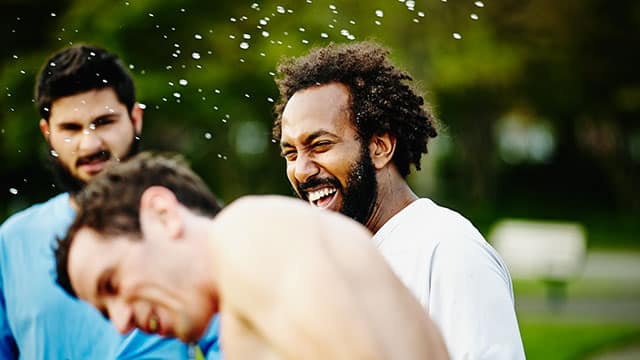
[90, 142]
[121, 315]
[304, 168]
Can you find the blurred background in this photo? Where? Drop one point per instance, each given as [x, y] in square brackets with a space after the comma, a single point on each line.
[538, 102]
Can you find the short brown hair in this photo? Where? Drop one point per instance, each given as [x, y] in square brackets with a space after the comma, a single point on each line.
[110, 203]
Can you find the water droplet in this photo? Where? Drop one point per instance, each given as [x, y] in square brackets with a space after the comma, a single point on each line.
[92, 126]
[177, 95]
[420, 13]
[197, 36]
[324, 35]
[244, 45]
[142, 106]
[183, 82]
[53, 153]
[13, 191]
[15, 56]
[53, 14]
[269, 99]
[280, 10]
[150, 14]
[457, 36]
[479, 4]
[265, 33]
[301, 29]
[52, 64]
[196, 55]
[379, 13]
[233, 19]
[473, 16]
[208, 135]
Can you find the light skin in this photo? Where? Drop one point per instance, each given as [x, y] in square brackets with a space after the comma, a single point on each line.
[327, 294]
[319, 139]
[83, 126]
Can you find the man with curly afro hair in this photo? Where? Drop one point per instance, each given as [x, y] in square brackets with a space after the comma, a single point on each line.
[350, 126]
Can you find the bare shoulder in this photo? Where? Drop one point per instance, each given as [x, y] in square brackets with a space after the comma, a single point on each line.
[273, 214]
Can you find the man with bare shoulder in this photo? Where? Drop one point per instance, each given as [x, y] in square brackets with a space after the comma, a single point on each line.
[161, 256]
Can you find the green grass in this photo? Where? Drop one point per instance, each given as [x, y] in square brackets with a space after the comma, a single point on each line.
[580, 288]
[566, 341]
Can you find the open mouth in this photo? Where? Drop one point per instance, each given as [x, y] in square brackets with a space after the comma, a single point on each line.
[323, 197]
[95, 162]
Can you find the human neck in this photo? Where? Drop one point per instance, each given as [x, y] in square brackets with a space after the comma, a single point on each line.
[394, 194]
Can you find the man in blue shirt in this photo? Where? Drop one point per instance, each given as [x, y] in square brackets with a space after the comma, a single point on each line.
[90, 120]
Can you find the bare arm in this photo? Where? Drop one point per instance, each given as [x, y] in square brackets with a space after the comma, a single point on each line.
[310, 284]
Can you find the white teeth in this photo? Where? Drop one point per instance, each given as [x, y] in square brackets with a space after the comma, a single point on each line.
[315, 195]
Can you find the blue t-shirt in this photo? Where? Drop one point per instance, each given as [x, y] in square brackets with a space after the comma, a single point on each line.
[38, 320]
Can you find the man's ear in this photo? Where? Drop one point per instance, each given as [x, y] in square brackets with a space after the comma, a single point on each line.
[381, 148]
[159, 207]
[44, 128]
[136, 117]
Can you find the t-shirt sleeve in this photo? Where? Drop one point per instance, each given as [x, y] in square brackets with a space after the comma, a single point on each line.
[138, 345]
[472, 302]
[8, 346]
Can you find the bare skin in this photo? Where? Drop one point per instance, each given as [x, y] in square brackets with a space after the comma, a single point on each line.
[310, 285]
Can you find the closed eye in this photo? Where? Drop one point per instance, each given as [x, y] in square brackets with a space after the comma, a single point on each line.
[289, 155]
[104, 120]
[321, 146]
[70, 127]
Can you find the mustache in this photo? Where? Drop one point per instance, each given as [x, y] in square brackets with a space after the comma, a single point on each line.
[315, 182]
[102, 155]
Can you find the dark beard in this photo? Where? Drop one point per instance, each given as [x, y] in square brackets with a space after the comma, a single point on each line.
[361, 192]
[359, 196]
[66, 181]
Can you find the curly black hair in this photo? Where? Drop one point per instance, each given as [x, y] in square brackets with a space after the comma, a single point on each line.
[381, 100]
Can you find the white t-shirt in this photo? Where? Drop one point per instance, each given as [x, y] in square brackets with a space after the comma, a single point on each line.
[457, 276]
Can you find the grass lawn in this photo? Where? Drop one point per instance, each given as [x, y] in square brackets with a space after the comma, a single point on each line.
[558, 340]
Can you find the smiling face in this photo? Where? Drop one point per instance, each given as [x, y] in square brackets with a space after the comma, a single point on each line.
[89, 130]
[327, 164]
[140, 283]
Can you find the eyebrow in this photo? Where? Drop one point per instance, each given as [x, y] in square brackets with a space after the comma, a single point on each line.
[307, 140]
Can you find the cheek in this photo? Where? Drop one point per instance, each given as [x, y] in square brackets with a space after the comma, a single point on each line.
[118, 139]
[291, 173]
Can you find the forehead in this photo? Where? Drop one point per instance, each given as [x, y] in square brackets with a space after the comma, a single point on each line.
[91, 254]
[85, 104]
[325, 107]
